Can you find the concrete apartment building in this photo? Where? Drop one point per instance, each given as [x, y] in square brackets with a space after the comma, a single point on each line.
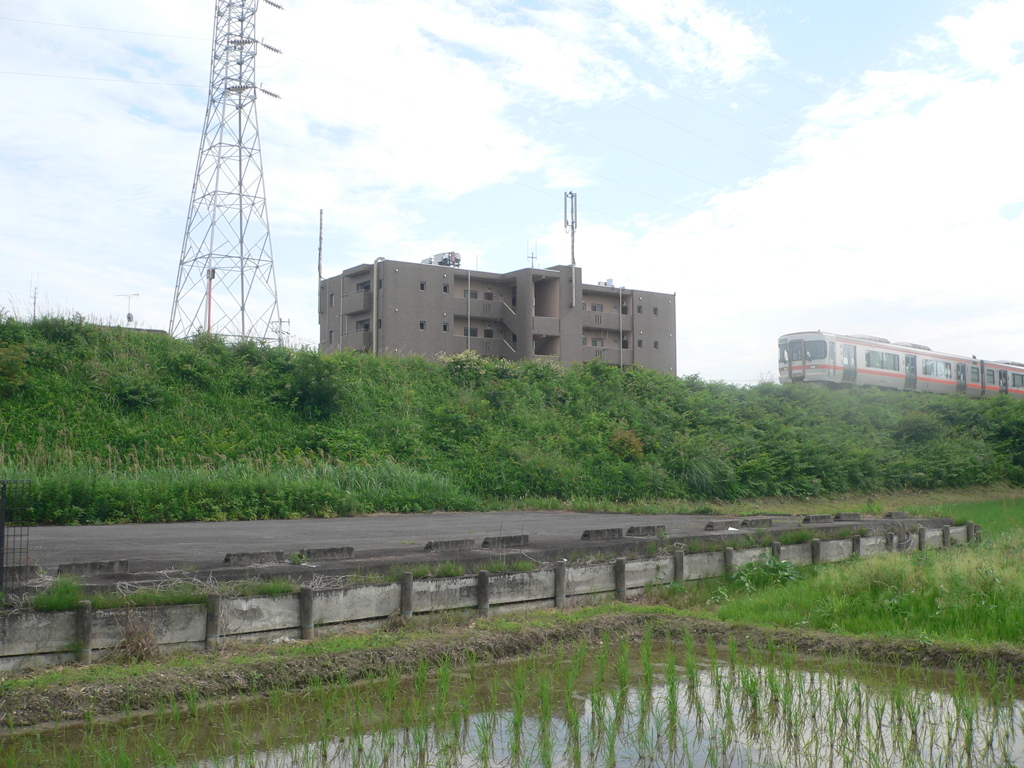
[402, 308]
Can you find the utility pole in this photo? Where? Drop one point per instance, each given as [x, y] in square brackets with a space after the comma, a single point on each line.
[570, 227]
[226, 284]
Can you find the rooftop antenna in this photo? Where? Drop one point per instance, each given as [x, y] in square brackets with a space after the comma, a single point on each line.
[129, 296]
[531, 256]
[570, 227]
[226, 284]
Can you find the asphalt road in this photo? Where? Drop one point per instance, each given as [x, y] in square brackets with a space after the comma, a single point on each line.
[152, 547]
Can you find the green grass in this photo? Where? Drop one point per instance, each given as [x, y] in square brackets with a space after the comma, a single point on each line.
[114, 426]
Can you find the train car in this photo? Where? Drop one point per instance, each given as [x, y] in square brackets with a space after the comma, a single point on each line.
[836, 360]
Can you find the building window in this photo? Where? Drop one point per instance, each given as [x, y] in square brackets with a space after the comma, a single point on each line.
[625, 343]
[469, 294]
[488, 296]
[444, 288]
[423, 325]
[488, 333]
[331, 302]
[379, 322]
[655, 310]
[639, 343]
[584, 341]
[597, 307]
[423, 286]
[639, 309]
[470, 332]
[330, 337]
[363, 325]
[444, 327]
[596, 342]
[380, 284]
[514, 338]
[363, 287]
[625, 309]
[655, 345]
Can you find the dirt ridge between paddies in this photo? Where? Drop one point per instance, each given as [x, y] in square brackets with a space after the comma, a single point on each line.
[28, 701]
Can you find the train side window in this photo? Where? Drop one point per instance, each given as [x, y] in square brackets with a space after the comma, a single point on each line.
[814, 350]
[887, 361]
[990, 376]
[975, 374]
[1018, 380]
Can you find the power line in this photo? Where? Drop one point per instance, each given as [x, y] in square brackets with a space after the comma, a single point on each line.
[101, 79]
[103, 29]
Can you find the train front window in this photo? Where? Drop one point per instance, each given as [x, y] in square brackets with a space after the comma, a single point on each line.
[815, 350]
[783, 353]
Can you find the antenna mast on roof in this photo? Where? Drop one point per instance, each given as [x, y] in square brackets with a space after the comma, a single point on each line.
[226, 284]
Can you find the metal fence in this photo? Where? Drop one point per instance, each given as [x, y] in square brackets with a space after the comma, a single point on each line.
[14, 552]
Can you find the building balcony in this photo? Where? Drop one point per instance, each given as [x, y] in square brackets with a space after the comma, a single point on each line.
[357, 302]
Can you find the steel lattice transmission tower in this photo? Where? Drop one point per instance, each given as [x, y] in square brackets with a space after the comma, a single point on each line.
[226, 284]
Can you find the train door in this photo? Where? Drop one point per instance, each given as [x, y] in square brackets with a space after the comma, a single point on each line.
[1004, 381]
[796, 360]
[961, 377]
[910, 366]
[849, 363]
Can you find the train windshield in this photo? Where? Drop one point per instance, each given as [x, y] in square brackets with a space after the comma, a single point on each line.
[783, 353]
[815, 350]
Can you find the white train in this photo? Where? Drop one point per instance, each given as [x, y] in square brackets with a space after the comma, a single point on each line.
[836, 360]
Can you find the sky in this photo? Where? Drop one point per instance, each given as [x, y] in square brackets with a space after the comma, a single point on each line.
[853, 166]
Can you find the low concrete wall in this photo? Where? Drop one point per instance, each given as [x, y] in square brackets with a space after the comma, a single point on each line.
[32, 639]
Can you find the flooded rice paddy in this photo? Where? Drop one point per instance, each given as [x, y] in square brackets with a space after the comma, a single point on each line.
[637, 703]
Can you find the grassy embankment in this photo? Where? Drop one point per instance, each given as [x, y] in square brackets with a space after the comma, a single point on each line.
[112, 425]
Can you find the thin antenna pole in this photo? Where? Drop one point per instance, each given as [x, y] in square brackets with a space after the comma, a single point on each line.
[320, 252]
[569, 209]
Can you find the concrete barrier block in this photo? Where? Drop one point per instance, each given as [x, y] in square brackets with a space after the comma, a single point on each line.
[756, 522]
[594, 578]
[36, 661]
[372, 601]
[817, 519]
[98, 568]
[645, 530]
[503, 542]
[743, 557]
[252, 558]
[958, 534]
[722, 525]
[847, 517]
[704, 565]
[450, 545]
[264, 613]
[872, 545]
[28, 632]
[513, 587]
[444, 594]
[835, 551]
[933, 538]
[897, 515]
[602, 533]
[797, 554]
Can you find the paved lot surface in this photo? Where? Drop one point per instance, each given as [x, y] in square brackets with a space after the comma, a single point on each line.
[376, 539]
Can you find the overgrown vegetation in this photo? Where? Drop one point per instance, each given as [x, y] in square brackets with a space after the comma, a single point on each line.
[113, 425]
